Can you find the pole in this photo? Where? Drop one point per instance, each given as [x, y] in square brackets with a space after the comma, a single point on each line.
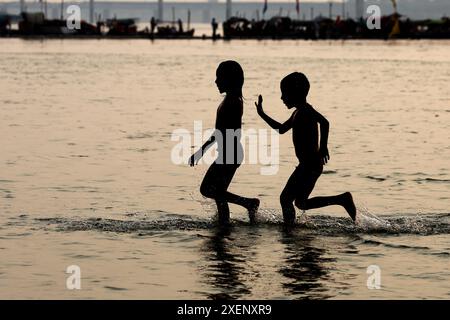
[189, 19]
[173, 16]
[91, 11]
[228, 10]
[359, 9]
[160, 10]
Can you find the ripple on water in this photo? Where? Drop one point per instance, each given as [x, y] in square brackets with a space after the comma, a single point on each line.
[424, 224]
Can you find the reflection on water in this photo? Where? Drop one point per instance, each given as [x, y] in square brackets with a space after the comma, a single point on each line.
[86, 129]
[227, 267]
[191, 259]
[232, 265]
[305, 266]
[188, 257]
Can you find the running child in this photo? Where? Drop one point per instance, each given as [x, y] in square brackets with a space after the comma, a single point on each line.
[229, 80]
[311, 153]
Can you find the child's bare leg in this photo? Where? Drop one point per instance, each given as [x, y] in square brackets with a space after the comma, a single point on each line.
[287, 207]
[223, 211]
[288, 214]
[251, 204]
[215, 185]
[345, 200]
[287, 198]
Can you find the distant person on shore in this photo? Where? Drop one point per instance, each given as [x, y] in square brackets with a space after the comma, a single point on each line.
[214, 26]
[229, 80]
[311, 154]
[152, 25]
[180, 26]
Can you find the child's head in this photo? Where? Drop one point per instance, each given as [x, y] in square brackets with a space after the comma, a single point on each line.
[230, 78]
[294, 89]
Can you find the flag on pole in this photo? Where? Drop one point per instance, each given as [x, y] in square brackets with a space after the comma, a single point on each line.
[395, 29]
[265, 7]
[394, 4]
[297, 7]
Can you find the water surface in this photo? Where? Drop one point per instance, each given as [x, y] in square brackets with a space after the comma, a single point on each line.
[86, 176]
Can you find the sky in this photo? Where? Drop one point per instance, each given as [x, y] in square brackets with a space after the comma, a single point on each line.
[262, 1]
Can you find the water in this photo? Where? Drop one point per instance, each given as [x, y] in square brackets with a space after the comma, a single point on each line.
[86, 177]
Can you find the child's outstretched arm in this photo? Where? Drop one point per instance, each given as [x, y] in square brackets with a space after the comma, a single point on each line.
[324, 130]
[281, 127]
[193, 160]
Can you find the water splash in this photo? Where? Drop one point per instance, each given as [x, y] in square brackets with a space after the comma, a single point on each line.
[367, 223]
[303, 219]
[269, 216]
[370, 222]
[415, 224]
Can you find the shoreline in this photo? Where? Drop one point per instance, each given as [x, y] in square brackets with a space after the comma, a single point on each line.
[204, 38]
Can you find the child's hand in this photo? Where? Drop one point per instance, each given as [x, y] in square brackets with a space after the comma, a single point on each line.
[193, 160]
[324, 155]
[258, 105]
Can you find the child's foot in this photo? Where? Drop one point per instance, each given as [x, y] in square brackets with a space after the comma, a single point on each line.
[253, 209]
[349, 205]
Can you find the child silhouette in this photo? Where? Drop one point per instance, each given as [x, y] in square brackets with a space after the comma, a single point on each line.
[229, 80]
[311, 154]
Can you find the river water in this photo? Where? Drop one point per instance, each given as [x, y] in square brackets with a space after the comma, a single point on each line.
[87, 178]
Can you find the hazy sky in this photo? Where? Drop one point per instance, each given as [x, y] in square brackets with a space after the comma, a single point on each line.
[262, 1]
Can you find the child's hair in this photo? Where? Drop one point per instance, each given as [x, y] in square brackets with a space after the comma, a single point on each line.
[296, 81]
[233, 74]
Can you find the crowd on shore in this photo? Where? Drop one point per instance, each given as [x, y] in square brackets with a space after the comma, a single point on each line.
[394, 25]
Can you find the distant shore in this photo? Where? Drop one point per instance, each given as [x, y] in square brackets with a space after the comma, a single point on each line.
[395, 26]
[202, 38]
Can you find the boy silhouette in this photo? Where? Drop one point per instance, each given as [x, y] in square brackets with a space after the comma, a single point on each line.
[311, 154]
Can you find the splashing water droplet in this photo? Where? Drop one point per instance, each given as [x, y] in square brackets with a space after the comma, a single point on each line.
[369, 221]
[268, 216]
[303, 218]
